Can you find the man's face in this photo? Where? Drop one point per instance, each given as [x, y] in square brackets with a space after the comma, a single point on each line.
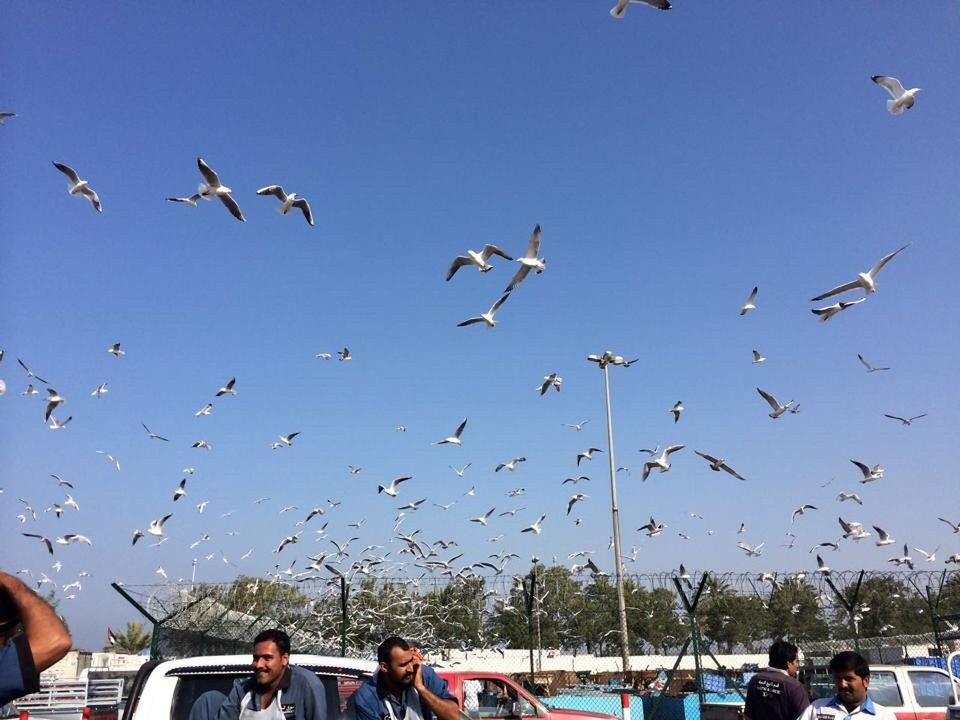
[402, 666]
[851, 688]
[793, 667]
[268, 663]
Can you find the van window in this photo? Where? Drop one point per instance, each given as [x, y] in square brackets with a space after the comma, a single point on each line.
[883, 689]
[932, 689]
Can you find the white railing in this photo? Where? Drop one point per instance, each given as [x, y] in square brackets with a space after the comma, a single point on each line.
[72, 695]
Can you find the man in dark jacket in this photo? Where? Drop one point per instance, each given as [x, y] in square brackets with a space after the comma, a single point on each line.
[775, 693]
[277, 690]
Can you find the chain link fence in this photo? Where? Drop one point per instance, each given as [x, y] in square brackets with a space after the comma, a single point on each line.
[694, 640]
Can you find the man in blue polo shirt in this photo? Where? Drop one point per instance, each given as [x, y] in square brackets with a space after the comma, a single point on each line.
[851, 675]
[403, 688]
[44, 639]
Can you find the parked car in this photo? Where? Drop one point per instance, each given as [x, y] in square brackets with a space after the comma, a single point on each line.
[912, 692]
[484, 696]
[167, 690]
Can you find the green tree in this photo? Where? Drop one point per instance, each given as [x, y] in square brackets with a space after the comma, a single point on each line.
[131, 641]
[793, 613]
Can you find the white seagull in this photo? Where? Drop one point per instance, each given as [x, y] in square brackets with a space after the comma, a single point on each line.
[78, 186]
[211, 188]
[828, 311]
[676, 410]
[460, 471]
[116, 350]
[865, 280]
[758, 358]
[228, 388]
[662, 462]
[850, 496]
[870, 368]
[476, 258]
[511, 466]
[777, 408]
[156, 526]
[152, 435]
[620, 9]
[100, 391]
[653, 528]
[883, 537]
[288, 439]
[900, 98]
[455, 438]
[587, 454]
[488, 316]
[288, 202]
[749, 305]
[574, 499]
[391, 489]
[529, 262]
[869, 474]
[192, 200]
[718, 464]
[482, 519]
[577, 426]
[751, 551]
[905, 421]
[536, 527]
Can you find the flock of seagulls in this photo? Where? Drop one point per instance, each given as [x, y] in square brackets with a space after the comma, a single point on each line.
[413, 555]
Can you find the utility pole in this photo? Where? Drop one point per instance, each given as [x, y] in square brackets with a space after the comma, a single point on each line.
[604, 361]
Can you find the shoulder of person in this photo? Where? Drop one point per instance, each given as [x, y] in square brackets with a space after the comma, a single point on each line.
[304, 675]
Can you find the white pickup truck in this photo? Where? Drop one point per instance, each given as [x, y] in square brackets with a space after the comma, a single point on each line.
[167, 690]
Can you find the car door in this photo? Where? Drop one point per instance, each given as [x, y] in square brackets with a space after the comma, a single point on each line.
[932, 691]
[884, 690]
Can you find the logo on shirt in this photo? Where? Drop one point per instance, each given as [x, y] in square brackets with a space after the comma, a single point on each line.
[289, 710]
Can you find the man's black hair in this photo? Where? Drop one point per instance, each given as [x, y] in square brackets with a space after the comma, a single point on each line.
[847, 661]
[385, 648]
[781, 653]
[277, 636]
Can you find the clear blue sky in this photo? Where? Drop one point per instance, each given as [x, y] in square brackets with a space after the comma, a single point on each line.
[674, 161]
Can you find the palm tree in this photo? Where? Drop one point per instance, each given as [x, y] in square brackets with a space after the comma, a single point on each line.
[132, 641]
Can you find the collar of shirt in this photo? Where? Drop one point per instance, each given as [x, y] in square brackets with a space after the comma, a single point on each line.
[867, 706]
[256, 692]
[778, 670]
[399, 702]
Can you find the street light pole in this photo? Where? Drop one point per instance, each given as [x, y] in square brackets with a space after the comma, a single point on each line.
[604, 361]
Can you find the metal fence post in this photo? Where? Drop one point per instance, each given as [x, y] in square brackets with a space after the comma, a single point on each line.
[344, 595]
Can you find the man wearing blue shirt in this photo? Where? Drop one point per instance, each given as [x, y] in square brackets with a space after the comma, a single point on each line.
[403, 688]
[44, 640]
[277, 690]
[851, 675]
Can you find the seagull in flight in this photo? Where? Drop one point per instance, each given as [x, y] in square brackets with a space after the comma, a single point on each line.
[152, 435]
[869, 474]
[751, 551]
[30, 373]
[511, 466]
[536, 527]
[460, 471]
[288, 202]
[99, 391]
[904, 559]
[551, 380]
[718, 464]
[575, 480]
[749, 305]
[619, 10]
[228, 388]
[822, 567]
[865, 280]
[653, 528]
[79, 187]
[191, 200]
[758, 358]
[676, 410]
[587, 454]
[777, 408]
[900, 98]
[802, 510]
[488, 316]
[574, 499]
[482, 519]
[955, 527]
[57, 425]
[850, 496]
[455, 438]
[288, 439]
[116, 350]
[53, 400]
[577, 426]
[156, 526]
[827, 312]
[391, 489]
[45, 541]
[211, 188]
[205, 410]
[529, 262]
[662, 462]
[928, 556]
[870, 368]
[181, 490]
[905, 421]
[883, 537]
[476, 258]
[4, 116]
